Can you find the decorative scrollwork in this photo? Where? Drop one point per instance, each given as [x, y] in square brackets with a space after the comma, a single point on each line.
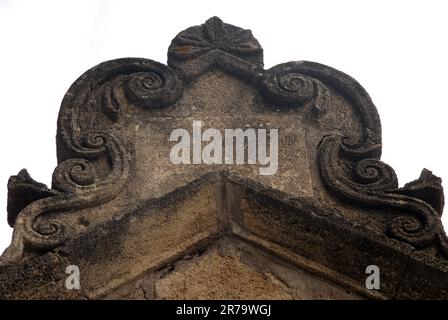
[151, 86]
[94, 160]
[292, 87]
[105, 89]
[153, 89]
[284, 85]
[374, 183]
[75, 177]
[110, 100]
[145, 83]
[376, 174]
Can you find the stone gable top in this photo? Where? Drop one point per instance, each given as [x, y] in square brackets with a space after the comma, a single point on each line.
[118, 208]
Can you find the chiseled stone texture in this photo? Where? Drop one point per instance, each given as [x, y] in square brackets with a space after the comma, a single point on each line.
[140, 227]
[231, 269]
[238, 271]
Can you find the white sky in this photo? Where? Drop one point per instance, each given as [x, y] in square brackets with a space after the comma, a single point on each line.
[396, 49]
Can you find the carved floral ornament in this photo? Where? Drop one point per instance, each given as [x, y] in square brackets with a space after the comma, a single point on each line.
[95, 158]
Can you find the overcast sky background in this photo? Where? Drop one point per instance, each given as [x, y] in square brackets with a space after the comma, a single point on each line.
[396, 49]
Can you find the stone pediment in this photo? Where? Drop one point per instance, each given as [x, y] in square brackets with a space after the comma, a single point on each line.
[136, 224]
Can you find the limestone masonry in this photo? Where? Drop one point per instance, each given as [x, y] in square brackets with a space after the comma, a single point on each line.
[124, 221]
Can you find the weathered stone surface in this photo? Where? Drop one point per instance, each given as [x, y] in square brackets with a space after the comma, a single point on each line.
[235, 270]
[149, 236]
[139, 226]
[37, 278]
